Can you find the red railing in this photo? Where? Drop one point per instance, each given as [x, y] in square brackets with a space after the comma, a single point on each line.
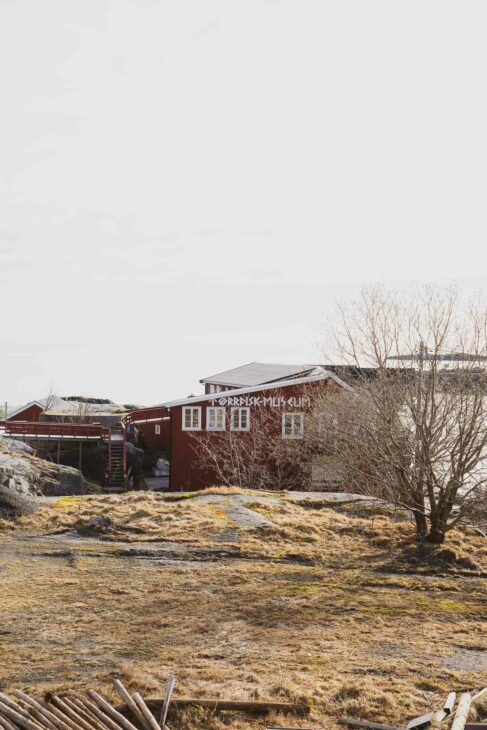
[157, 413]
[36, 429]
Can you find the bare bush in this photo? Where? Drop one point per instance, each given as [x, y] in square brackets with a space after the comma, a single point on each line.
[257, 459]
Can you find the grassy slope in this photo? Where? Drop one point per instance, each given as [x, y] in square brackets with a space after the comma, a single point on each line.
[358, 628]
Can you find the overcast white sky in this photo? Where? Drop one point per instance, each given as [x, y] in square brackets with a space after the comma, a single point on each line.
[186, 186]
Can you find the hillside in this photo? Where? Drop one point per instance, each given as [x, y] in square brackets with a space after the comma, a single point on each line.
[242, 595]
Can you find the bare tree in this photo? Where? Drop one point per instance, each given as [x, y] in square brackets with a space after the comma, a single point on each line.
[258, 459]
[51, 399]
[413, 427]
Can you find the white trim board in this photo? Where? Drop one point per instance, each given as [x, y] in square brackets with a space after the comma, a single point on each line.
[255, 389]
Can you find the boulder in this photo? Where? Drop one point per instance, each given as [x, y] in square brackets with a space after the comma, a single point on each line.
[58, 480]
[13, 503]
[24, 474]
[17, 486]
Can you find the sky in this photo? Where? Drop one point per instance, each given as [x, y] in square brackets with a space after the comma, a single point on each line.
[188, 186]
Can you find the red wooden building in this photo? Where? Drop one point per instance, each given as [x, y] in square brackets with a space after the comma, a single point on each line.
[29, 412]
[237, 410]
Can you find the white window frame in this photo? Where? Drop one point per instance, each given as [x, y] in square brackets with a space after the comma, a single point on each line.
[157, 429]
[216, 410]
[192, 427]
[239, 411]
[295, 418]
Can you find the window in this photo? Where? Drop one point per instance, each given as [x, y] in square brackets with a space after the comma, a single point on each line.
[157, 429]
[292, 425]
[192, 418]
[240, 419]
[215, 419]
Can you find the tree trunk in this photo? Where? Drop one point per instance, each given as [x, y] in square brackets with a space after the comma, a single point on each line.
[436, 536]
[438, 523]
[421, 525]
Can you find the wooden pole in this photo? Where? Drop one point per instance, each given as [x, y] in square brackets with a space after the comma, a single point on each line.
[71, 714]
[15, 707]
[7, 725]
[95, 711]
[32, 703]
[167, 700]
[17, 718]
[106, 707]
[479, 696]
[124, 694]
[85, 714]
[462, 711]
[151, 723]
[61, 718]
[80, 454]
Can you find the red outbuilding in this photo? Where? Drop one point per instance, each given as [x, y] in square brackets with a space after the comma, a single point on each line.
[29, 412]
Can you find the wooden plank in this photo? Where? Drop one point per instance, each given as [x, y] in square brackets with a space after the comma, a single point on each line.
[253, 708]
[167, 700]
[363, 723]
[450, 703]
[461, 714]
[283, 727]
[476, 726]
[422, 721]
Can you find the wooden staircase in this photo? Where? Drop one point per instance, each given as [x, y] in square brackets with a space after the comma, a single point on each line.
[115, 482]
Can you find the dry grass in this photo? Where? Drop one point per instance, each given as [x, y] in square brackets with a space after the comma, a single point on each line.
[325, 606]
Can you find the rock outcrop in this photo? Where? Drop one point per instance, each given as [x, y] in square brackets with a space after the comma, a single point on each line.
[24, 476]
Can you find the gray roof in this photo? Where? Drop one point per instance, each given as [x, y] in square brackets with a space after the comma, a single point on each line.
[258, 373]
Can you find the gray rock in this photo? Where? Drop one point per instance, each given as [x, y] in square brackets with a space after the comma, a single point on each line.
[25, 474]
[14, 445]
[58, 480]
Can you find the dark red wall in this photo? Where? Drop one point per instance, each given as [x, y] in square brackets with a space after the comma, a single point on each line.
[29, 414]
[186, 474]
[162, 441]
